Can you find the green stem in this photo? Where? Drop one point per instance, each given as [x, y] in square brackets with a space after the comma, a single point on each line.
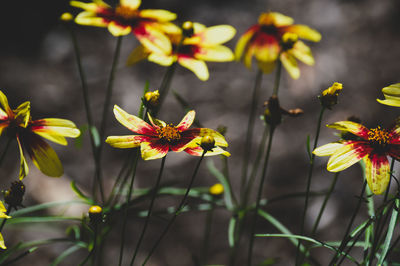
[259, 193]
[277, 77]
[164, 87]
[178, 210]
[346, 237]
[250, 128]
[155, 191]
[226, 174]
[128, 199]
[91, 253]
[299, 258]
[321, 211]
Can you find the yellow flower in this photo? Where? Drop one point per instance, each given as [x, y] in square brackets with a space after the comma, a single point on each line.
[3, 215]
[28, 133]
[392, 95]
[193, 45]
[275, 36]
[157, 139]
[148, 25]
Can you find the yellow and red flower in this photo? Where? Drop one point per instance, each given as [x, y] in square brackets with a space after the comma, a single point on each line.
[275, 36]
[158, 138]
[371, 145]
[191, 46]
[28, 133]
[148, 25]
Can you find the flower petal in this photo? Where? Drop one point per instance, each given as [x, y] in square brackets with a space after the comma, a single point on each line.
[266, 67]
[132, 122]
[352, 127]
[138, 54]
[304, 32]
[217, 34]
[377, 172]
[289, 62]
[158, 14]
[186, 121]
[23, 166]
[328, 149]
[153, 150]
[55, 129]
[217, 53]
[219, 139]
[2, 245]
[3, 211]
[198, 151]
[243, 42]
[348, 155]
[118, 30]
[129, 141]
[303, 53]
[42, 155]
[392, 95]
[88, 18]
[161, 59]
[152, 38]
[275, 18]
[131, 4]
[23, 114]
[4, 104]
[198, 67]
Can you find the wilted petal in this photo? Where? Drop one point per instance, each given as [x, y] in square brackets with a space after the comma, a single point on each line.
[377, 172]
[23, 166]
[3, 211]
[23, 114]
[2, 245]
[4, 104]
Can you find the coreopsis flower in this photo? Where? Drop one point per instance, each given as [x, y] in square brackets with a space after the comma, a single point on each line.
[328, 98]
[193, 45]
[275, 36]
[3, 215]
[29, 133]
[392, 95]
[148, 25]
[158, 138]
[372, 145]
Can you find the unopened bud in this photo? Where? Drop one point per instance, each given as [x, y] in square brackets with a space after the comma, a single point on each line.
[207, 143]
[273, 114]
[151, 99]
[95, 214]
[66, 17]
[328, 98]
[187, 29]
[14, 195]
[216, 189]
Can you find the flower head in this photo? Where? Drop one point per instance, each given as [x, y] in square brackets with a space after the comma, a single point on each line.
[3, 215]
[148, 25]
[328, 98]
[158, 138]
[392, 95]
[275, 36]
[29, 133]
[372, 145]
[191, 46]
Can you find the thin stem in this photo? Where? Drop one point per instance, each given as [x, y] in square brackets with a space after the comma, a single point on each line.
[91, 253]
[153, 197]
[128, 199]
[250, 128]
[225, 171]
[346, 237]
[299, 258]
[164, 87]
[5, 219]
[277, 77]
[260, 189]
[178, 210]
[321, 211]
[207, 233]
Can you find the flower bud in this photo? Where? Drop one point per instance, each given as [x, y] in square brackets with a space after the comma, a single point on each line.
[151, 99]
[216, 189]
[95, 214]
[288, 40]
[187, 29]
[66, 17]
[207, 143]
[328, 98]
[14, 195]
[273, 114]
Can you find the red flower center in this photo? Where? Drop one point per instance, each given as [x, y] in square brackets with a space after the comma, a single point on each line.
[168, 133]
[379, 136]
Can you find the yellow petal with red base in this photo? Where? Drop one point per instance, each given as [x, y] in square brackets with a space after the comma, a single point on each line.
[346, 156]
[118, 30]
[304, 32]
[186, 121]
[303, 53]
[132, 4]
[123, 142]
[198, 67]
[153, 39]
[377, 172]
[217, 53]
[352, 127]
[55, 129]
[158, 15]
[328, 149]
[290, 64]
[242, 44]
[43, 156]
[151, 151]
[138, 54]
[23, 166]
[132, 122]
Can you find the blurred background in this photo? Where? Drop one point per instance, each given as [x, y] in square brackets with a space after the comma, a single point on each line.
[359, 48]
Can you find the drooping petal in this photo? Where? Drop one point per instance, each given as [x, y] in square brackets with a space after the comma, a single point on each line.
[243, 43]
[153, 150]
[348, 155]
[217, 53]
[3, 211]
[198, 67]
[131, 4]
[132, 122]
[304, 32]
[377, 172]
[4, 104]
[2, 245]
[328, 149]
[55, 129]
[152, 38]
[118, 30]
[23, 166]
[138, 54]
[217, 34]
[23, 114]
[303, 53]
[129, 141]
[352, 127]
[198, 151]
[42, 155]
[275, 18]
[186, 121]
[158, 14]
[290, 64]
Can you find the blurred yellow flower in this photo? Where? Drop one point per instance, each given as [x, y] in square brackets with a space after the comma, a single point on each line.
[28, 134]
[392, 95]
[216, 189]
[275, 36]
[191, 46]
[148, 25]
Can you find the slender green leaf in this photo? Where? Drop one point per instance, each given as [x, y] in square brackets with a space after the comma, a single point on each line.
[141, 108]
[48, 219]
[389, 234]
[96, 136]
[43, 206]
[65, 254]
[308, 147]
[222, 179]
[231, 231]
[80, 194]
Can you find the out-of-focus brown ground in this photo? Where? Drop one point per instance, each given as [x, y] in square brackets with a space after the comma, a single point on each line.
[359, 48]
